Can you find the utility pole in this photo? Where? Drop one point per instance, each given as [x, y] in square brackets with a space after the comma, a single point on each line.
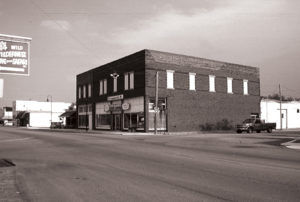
[280, 108]
[156, 103]
[50, 109]
[86, 115]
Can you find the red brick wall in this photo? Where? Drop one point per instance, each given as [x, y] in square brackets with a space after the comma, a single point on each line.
[188, 110]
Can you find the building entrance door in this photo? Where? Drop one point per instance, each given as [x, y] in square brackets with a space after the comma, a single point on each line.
[117, 122]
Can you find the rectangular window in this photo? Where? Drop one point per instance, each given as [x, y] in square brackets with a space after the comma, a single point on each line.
[192, 80]
[212, 83]
[89, 90]
[131, 83]
[126, 81]
[161, 118]
[129, 80]
[81, 109]
[101, 87]
[84, 91]
[245, 85]
[170, 79]
[134, 121]
[83, 121]
[229, 85]
[79, 92]
[115, 84]
[103, 121]
[105, 86]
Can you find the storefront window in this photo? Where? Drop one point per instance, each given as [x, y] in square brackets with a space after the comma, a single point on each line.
[83, 121]
[103, 121]
[161, 115]
[134, 120]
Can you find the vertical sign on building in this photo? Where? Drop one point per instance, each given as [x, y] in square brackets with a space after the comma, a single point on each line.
[14, 55]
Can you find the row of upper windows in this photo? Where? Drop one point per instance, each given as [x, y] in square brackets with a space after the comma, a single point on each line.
[128, 85]
[212, 88]
[83, 93]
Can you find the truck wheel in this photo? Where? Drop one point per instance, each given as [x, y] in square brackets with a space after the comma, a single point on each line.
[269, 130]
[258, 131]
[239, 131]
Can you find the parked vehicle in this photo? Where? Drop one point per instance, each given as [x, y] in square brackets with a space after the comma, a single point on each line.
[255, 124]
[56, 125]
[4, 122]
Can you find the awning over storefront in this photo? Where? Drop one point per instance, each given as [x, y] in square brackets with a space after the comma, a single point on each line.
[21, 115]
[68, 114]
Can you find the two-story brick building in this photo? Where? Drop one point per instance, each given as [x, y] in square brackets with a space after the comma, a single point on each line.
[191, 93]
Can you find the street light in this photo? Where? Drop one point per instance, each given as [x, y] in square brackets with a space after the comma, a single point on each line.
[51, 108]
[115, 76]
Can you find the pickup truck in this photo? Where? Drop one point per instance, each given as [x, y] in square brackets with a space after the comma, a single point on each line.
[255, 124]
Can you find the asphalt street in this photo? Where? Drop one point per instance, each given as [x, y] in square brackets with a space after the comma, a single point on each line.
[65, 166]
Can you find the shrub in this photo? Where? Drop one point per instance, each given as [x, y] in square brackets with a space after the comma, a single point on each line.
[207, 127]
[224, 124]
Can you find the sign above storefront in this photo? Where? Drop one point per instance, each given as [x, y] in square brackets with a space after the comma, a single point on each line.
[115, 97]
[106, 108]
[125, 106]
[115, 106]
[14, 55]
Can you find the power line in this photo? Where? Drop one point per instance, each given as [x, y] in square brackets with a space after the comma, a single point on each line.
[291, 89]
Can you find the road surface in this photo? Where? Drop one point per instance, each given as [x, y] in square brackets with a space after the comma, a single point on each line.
[64, 166]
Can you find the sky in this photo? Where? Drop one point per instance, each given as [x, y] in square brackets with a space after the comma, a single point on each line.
[73, 36]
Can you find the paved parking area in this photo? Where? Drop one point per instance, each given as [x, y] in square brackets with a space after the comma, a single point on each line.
[94, 166]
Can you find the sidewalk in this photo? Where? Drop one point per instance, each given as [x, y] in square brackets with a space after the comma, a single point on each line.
[83, 131]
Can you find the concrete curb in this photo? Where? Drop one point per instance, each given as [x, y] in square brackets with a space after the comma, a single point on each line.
[292, 144]
[103, 132]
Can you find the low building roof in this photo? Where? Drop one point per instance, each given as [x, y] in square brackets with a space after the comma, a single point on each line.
[68, 114]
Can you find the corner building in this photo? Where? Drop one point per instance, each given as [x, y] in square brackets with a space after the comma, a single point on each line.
[192, 92]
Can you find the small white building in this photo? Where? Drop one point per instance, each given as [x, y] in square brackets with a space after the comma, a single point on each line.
[40, 113]
[6, 113]
[290, 113]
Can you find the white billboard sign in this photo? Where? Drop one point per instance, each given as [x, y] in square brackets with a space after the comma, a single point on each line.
[14, 55]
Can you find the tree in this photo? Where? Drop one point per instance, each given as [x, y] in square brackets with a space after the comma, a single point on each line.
[72, 107]
[276, 96]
